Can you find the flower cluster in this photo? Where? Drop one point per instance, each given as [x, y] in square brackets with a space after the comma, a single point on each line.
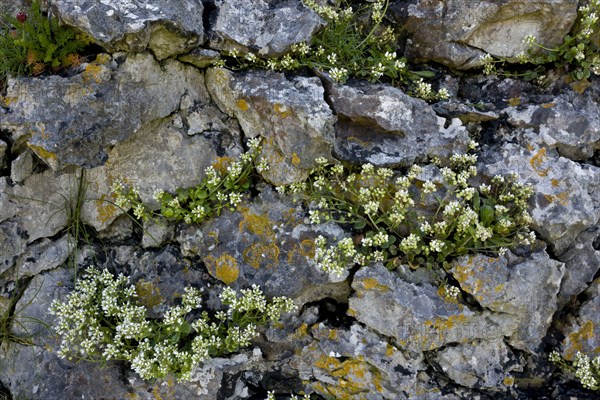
[584, 369]
[271, 396]
[223, 186]
[355, 43]
[579, 53]
[102, 320]
[402, 218]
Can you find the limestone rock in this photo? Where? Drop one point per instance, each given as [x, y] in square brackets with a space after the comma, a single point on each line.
[264, 243]
[356, 363]
[168, 27]
[11, 6]
[481, 364]
[569, 123]
[98, 108]
[582, 330]
[384, 126]
[157, 233]
[3, 148]
[457, 35]
[22, 166]
[43, 256]
[291, 115]
[12, 242]
[525, 289]
[582, 262]
[417, 316]
[566, 199]
[200, 58]
[269, 27]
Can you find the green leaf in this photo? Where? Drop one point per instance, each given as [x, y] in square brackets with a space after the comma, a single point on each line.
[358, 225]
[486, 215]
[424, 74]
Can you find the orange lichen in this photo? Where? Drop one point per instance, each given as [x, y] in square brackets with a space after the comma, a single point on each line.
[354, 377]
[537, 160]
[562, 198]
[224, 268]
[372, 283]
[242, 105]
[259, 225]
[258, 254]
[578, 339]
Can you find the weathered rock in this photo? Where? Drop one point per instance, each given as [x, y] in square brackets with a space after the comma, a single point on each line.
[11, 7]
[8, 206]
[356, 363]
[582, 262]
[465, 112]
[200, 58]
[568, 123]
[499, 285]
[582, 330]
[3, 148]
[292, 116]
[99, 107]
[167, 27]
[567, 194]
[43, 256]
[269, 27]
[265, 243]
[22, 166]
[417, 316]
[384, 126]
[481, 364]
[455, 35]
[157, 233]
[12, 242]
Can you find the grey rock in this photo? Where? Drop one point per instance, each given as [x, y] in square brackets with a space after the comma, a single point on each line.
[292, 116]
[499, 284]
[384, 126]
[569, 123]
[582, 330]
[8, 206]
[465, 112]
[481, 364]
[22, 166]
[3, 148]
[566, 199]
[121, 228]
[44, 256]
[356, 363]
[168, 27]
[13, 242]
[455, 35]
[157, 232]
[99, 107]
[582, 262]
[265, 243]
[200, 58]
[417, 316]
[269, 27]
[11, 7]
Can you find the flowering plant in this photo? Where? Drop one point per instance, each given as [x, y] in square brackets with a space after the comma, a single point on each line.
[353, 44]
[102, 319]
[584, 369]
[405, 218]
[223, 186]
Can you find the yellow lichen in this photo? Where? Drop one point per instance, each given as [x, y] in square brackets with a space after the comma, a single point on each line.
[282, 110]
[224, 268]
[295, 159]
[42, 153]
[372, 283]
[577, 340]
[106, 210]
[92, 72]
[536, 162]
[242, 105]
[148, 294]
[354, 378]
[259, 225]
[262, 253]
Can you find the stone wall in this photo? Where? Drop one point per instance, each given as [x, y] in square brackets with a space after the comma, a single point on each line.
[153, 109]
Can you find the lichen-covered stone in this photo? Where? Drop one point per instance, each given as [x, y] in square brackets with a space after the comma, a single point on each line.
[417, 316]
[384, 126]
[269, 27]
[582, 330]
[291, 115]
[456, 35]
[566, 197]
[168, 27]
[356, 363]
[265, 243]
[522, 288]
[569, 123]
[98, 108]
[480, 364]
[582, 262]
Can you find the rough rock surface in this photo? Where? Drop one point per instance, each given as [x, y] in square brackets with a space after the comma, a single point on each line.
[268, 27]
[566, 199]
[384, 126]
[265, 243]
[291, 115]
[417, 316]
[3, 148]
[498, 285]
[167, 27]
[98, 108]
[457, 35]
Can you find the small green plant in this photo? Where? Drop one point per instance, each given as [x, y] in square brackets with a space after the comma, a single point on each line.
[353, 44]
[584, 369]
[402, 219]
[224, 184]
[578, 53]
[31, 43]
[271, 396]
[102, 320]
